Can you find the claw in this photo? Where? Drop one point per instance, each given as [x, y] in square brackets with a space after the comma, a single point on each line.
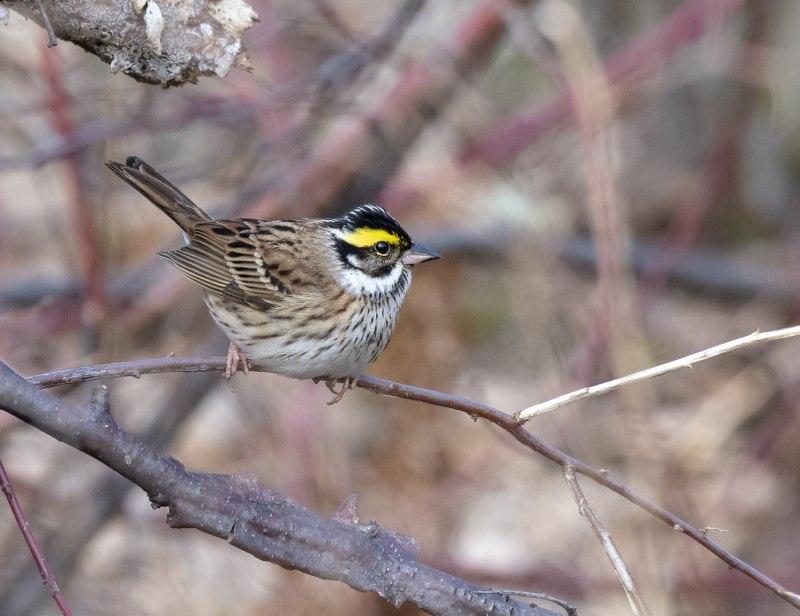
[346, 383]
[235, 358]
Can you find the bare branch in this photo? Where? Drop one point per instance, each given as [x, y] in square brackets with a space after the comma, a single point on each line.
[473, 409]
[509, 424]
[684, 362]
[620, 568]
[174, 410]
[167, 43]
[252, 518]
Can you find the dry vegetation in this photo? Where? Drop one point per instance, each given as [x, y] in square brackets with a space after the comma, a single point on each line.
[592, 224]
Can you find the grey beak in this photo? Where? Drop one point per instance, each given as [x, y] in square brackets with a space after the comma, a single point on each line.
[419, 254]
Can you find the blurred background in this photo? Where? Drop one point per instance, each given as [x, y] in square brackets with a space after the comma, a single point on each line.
[612, 184]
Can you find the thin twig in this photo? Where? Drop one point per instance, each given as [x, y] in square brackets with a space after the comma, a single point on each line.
[52, 41]
[620, 568]
[473, 409]
[48, 577]
[684, 362]
[570, 609]
[135, 368]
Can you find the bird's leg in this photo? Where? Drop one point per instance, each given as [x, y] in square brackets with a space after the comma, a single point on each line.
[234, 358]
[346, 383]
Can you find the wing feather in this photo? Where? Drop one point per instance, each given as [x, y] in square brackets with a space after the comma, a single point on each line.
[243, 260]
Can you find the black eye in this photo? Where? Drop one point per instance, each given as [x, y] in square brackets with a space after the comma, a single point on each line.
[381, 248]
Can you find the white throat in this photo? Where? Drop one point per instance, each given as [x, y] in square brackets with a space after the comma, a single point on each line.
[358, 283]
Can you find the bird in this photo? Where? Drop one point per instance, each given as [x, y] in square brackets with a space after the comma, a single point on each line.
[306, 298]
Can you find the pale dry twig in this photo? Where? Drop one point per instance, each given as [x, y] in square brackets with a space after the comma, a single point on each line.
[638, 606]
[684, 362]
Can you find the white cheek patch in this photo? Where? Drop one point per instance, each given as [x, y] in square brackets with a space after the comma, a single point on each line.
[352, 260]
[358, 283]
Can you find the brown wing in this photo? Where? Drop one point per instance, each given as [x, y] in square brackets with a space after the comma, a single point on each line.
[245, 260]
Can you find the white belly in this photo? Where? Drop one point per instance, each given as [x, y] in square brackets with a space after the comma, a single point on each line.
[277, 344]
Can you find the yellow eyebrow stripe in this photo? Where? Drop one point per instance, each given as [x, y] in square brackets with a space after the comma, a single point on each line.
[364, 236]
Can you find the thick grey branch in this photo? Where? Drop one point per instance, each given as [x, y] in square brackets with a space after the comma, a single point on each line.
[253, 518]
[474, 409]
[165, 43]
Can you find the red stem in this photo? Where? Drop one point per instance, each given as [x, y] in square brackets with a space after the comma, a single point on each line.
[58, 102]
[48, 577]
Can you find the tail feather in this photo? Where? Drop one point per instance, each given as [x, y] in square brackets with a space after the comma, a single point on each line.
[168, 198]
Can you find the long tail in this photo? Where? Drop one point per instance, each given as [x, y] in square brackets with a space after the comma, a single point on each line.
[161, 192]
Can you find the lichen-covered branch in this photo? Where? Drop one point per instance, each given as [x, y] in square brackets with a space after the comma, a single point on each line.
[164, 43]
